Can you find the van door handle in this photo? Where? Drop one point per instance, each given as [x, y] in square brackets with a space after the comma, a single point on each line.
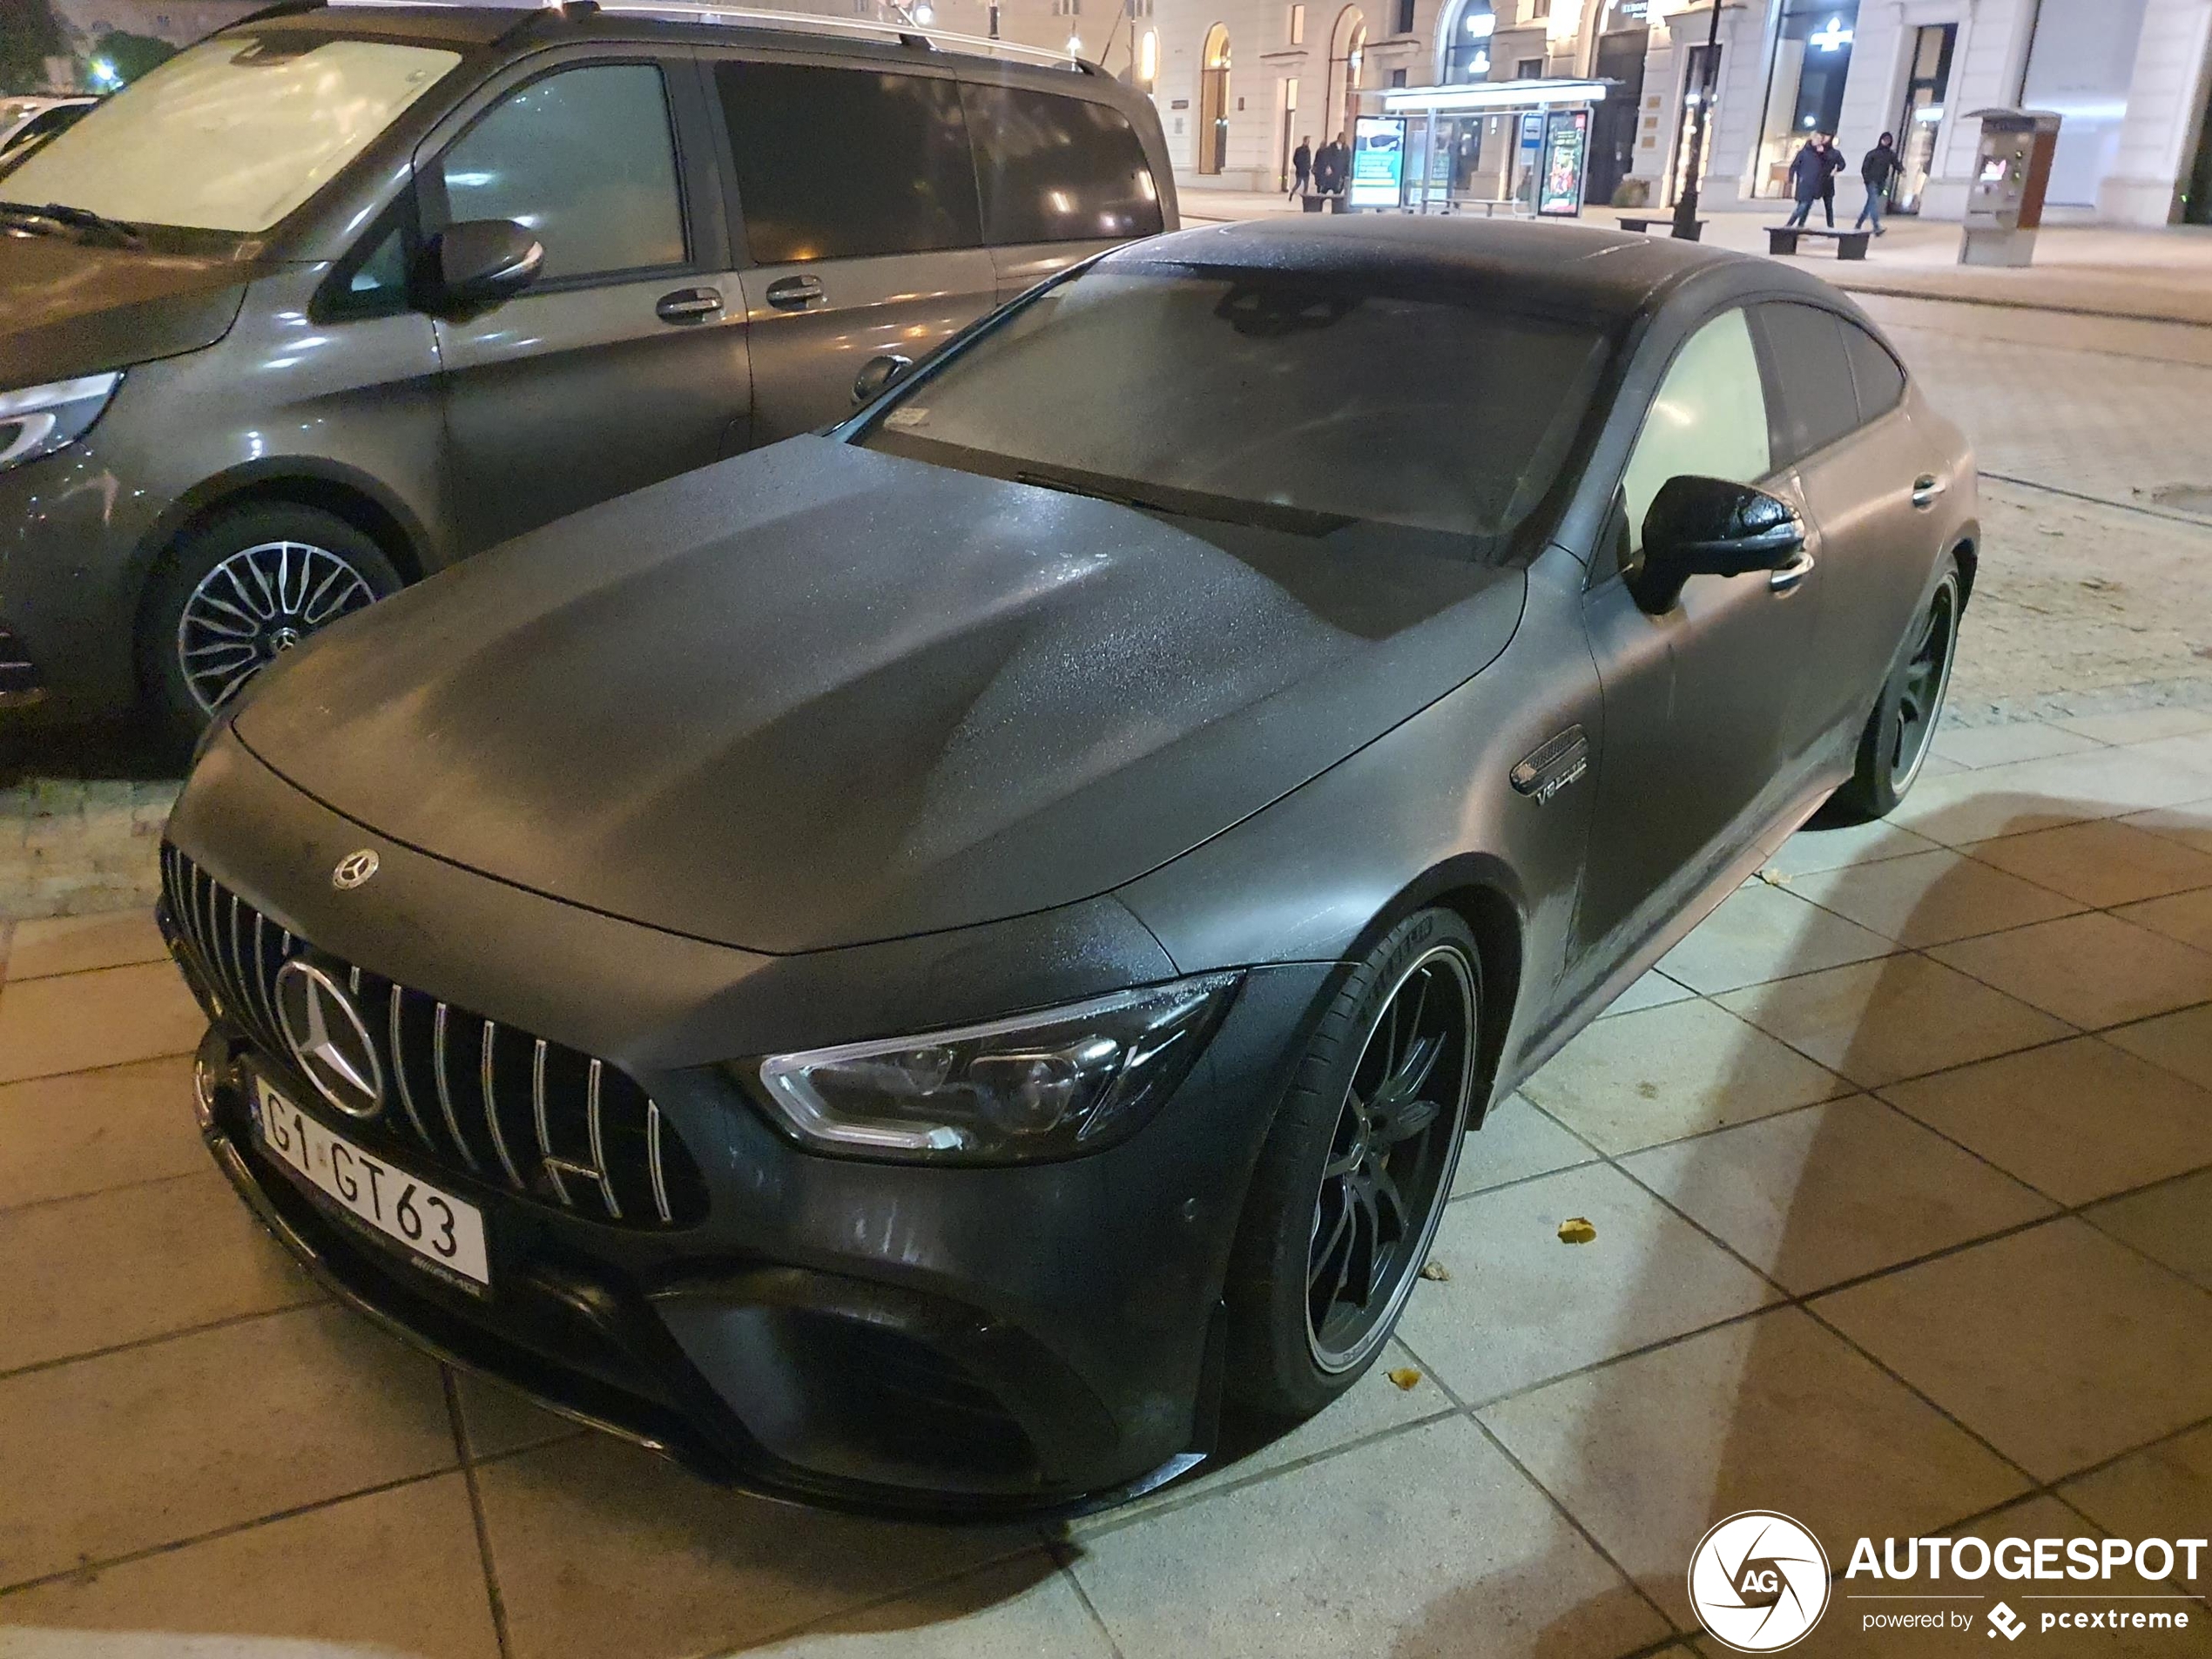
[795, 293]
[1786, 576]
[1926, 489]
[688, 304]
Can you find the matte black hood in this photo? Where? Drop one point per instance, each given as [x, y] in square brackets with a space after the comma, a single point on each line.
[820, 696]
[67, 309]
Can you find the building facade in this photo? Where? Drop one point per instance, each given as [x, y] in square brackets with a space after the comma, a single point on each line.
[1240, 83]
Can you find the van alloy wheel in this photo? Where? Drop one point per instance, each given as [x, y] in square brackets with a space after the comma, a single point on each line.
[255, 605]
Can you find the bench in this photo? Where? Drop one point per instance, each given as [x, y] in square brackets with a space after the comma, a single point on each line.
[1315, 202]
[1850, 244]
[1696, 225]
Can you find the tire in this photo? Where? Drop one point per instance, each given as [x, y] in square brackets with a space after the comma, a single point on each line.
[1300, 1333]
[1901, 730]
[232, 594]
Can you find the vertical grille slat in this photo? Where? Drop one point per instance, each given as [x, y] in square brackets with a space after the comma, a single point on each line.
[587, 1119]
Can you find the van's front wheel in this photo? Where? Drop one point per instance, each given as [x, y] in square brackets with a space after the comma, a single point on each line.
[241, 590]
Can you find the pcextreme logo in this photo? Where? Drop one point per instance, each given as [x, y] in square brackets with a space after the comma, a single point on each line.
[1759, 1580]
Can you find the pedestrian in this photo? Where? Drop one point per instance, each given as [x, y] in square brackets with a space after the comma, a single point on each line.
[1832, 160]
[1301, 166]
[1328, 168]
[1808, 172]
[1877, 169]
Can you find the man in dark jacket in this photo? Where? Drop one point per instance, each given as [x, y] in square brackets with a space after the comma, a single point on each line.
[1329, 167]
[1877, 171]
[1812, 179]
[1301, 168]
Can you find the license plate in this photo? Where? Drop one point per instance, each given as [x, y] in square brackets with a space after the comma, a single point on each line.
[434, 1225]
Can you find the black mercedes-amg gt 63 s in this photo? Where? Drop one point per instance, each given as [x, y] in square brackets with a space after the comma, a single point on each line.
[913, 968]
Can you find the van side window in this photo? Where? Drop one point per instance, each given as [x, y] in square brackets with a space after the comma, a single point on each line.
[585, 160]
[1710, 418]
[1814, 403]
[1056, 169]
[841, 162]
[1880, 382]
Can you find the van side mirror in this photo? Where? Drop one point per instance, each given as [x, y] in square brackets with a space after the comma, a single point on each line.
[479, 262]
[877, 373]
[1710, 527]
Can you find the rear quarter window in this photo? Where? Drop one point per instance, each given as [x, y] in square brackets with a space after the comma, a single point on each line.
[1056, 169]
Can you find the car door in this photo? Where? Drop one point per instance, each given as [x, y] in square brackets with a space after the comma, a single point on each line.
[1870, 480]
[1702, 701]
[855, 188]
[1061, 178]
[624, 361]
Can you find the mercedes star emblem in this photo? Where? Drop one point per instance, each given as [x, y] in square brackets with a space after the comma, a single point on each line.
[327, 1036]
[354, 869]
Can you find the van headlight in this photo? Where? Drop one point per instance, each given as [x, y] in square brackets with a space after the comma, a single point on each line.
[39, 420]
[1050, 1084]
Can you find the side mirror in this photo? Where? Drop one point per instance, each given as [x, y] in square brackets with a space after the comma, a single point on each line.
[479, 262]
[877, 373]
[1710, 527]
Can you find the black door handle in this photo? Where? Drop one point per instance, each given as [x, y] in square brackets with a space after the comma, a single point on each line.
[795, 293]
[688, 304]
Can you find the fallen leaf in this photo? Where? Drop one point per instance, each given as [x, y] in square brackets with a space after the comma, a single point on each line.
[1577, 1230]
[1436, 1272]
[1405, 1376]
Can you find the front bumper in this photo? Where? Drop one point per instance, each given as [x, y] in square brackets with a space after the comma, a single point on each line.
[957, 1342]
[70, 532]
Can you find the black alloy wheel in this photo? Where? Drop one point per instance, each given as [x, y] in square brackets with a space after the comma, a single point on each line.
[1900, 731]
[1351, 1186]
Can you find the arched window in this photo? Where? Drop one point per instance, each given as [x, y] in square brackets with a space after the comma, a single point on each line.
[1463, 45]
[1347, 52]
[1213, 101]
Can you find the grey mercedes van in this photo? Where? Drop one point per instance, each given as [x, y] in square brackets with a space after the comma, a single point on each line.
[346, 292]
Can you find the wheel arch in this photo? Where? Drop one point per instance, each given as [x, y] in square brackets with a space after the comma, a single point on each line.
[1968, 551]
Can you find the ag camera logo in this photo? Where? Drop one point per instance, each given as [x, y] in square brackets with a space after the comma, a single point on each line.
[1759, 1580]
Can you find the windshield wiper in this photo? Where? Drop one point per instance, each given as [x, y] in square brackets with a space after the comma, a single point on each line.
[74, 218]
[1068, 486]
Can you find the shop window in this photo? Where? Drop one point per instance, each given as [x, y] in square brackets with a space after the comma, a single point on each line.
[1812, 52]
[1297, 26]
[2082, 64]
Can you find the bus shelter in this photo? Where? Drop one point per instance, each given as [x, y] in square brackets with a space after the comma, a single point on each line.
[1482, 146]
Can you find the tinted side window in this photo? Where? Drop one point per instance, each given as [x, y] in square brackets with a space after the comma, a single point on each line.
[1814, 402]
[839, 162]
[1710, 418]
[585, 160]
[1055, 168]
[1880, 382]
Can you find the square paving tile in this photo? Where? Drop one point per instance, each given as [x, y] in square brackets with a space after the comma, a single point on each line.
[2104, 862]
[1975, 746]
[1831, 847]
[1521, 1306]
[1024, 1608]
[1654, 989]
[2091, 970]
[1515, 1141]
[2185, 916]
[392, 1572]
[602, 1548]
[2188, 749]
[84, 1131]
[2078, 1120]
[1929, 897]
[2189, 823]
[1762, 932]
[139, 1262]
[1875, 1022]
[1814, 1197]
[71, 944]
[2180, 1042]
[2042, 794]
[2170, 1223]
[106, 1017]
[2057, 1345]
[1426, 1543]
[2153, 1493]
[2139, 725]
[157, 1444]
[1642, 1078]
[494, 1419]
[1769, 1413]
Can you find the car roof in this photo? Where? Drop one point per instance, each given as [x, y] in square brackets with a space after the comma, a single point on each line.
[1610, 275]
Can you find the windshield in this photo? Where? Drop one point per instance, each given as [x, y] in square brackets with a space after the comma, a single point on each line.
[1296, 402]
[231, 134]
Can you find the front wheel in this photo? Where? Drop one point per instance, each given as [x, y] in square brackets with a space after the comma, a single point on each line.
[1901, 731]
[236, 593]
[1352, 1180]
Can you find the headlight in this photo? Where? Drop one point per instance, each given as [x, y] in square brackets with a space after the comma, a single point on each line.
[41, 419]
[1045, 1085]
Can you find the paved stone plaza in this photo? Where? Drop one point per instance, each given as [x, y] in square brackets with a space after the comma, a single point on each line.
[1900, 1171]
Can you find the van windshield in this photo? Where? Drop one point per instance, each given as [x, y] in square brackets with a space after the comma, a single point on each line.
[1278, 399]
[231, 134]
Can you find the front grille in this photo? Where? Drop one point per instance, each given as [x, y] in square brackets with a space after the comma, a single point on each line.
[551, 1124]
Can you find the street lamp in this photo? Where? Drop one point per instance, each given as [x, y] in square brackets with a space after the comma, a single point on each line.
[1686, 197]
